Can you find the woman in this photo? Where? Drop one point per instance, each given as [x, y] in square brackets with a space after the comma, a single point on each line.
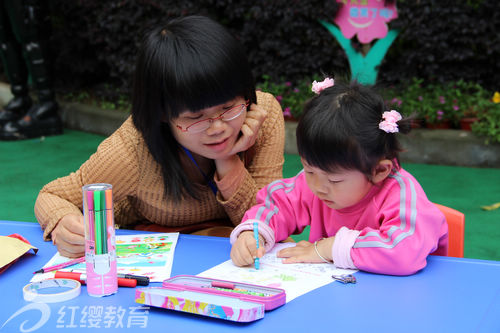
[198, 146]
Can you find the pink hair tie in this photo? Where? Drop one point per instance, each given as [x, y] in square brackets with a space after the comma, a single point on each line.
[390, 122]
[318, 87]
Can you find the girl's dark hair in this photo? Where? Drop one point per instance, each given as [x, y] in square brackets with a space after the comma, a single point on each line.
[340, 130]
[189, 63]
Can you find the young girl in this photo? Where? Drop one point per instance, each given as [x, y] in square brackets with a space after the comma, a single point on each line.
[199, 145]
[364, 210]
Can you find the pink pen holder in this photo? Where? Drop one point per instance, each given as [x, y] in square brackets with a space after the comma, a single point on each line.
[100, 249]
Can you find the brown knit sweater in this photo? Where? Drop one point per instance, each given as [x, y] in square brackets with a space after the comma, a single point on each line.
[124, 161]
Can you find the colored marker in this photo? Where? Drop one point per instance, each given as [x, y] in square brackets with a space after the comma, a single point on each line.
[108, 194]
[243, 291]
[141, 280]
[104, 223]
[231, 287]
[90, 211]
[82, 277]
[59, 266]
[98, 222]
[256, 236]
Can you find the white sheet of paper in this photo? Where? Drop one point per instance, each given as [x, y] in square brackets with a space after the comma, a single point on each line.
[295, 279]
[149, 255]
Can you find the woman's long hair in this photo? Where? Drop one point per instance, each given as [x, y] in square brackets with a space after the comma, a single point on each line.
[190, 63]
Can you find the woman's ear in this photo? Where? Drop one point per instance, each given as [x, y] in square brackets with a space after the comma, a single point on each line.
[382, 170]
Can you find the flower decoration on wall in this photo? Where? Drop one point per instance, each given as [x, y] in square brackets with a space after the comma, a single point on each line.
[365, 18]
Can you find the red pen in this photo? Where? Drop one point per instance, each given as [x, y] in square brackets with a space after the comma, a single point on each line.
[122, 282]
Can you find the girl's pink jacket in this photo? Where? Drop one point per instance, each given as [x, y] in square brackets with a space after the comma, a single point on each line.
[391, 230]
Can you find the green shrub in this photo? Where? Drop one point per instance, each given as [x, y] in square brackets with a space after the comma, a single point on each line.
[438, 103]
[488, 124]
[291, 96]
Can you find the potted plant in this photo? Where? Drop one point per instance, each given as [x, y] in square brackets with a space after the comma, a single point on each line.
[488, 122]
[291, 96]
[472, 99]
[449, 105]
[431, 105]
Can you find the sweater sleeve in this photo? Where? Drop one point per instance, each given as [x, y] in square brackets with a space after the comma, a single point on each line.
[282, 210]
[266, 164]
[115, 162]
[411, 227]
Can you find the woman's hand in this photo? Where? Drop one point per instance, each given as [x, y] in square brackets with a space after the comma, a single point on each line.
[305, 252]
[244, 250]
[250, 129]
[69, 236]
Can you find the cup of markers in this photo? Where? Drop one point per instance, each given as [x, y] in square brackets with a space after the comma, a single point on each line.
[100, 246]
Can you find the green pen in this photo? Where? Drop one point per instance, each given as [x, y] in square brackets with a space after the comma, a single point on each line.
[98, 222]
[104, 226]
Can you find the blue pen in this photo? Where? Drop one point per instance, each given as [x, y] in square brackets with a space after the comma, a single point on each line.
[256, 235]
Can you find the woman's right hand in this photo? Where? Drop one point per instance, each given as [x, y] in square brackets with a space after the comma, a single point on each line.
[69, 236]
[244, 249]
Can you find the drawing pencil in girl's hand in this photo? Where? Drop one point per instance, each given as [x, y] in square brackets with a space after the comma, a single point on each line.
[256, 235]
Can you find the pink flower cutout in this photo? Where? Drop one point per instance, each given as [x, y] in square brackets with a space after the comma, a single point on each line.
[318, 87]
[390, 122]
[366, 18]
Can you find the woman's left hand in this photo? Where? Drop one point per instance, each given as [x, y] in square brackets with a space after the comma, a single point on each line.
[250, 129]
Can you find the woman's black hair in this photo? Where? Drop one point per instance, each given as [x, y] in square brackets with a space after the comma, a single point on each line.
[190, 63]
[339, 129]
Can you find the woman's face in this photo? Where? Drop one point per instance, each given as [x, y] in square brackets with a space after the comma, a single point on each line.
[217, 140]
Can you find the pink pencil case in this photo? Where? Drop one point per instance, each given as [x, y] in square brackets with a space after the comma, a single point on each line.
[222, 299]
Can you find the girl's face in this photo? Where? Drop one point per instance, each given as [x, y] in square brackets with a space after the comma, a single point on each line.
[339, 189]
[217, 140]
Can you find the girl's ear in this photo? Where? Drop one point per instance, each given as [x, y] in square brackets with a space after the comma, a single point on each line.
[382, 170]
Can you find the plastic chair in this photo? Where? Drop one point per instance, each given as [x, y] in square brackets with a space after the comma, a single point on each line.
[456, 228]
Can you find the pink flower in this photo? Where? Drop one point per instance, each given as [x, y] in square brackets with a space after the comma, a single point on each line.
[390, 122]
[318, 87]
[279, 98]
[439, 114]
[397, 101]
[287, 112]
[442, 100]
[455, 107]
[288, 83]
[420, 98]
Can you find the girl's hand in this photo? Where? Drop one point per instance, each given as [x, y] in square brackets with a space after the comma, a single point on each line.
[244, 250]
[305, 252]
[69, 236]
[250, 129]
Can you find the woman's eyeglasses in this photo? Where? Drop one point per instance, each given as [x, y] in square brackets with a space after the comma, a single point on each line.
[227, 115]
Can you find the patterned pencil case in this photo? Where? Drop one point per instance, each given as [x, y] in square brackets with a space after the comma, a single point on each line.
[222, 299]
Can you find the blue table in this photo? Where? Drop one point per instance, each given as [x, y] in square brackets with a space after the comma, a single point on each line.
[449, 295]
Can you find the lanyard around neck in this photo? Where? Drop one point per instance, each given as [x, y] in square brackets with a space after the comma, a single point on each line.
[209, 180]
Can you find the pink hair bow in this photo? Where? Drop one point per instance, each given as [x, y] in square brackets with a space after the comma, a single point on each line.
[390, 122]
[318, 87]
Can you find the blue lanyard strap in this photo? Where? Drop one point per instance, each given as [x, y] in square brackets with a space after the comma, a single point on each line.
[209, 180]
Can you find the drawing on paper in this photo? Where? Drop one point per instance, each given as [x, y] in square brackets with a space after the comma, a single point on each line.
[295, 279]
[149, 255]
